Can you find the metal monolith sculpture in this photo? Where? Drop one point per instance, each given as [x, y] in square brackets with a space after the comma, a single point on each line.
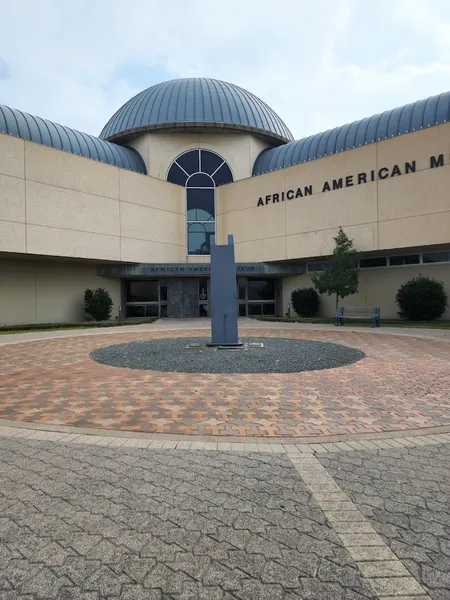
[223, 296]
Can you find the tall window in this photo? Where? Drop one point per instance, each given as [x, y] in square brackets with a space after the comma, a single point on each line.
[200, 172]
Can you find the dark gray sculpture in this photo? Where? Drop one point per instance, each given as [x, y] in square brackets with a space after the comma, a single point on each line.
[223, 298]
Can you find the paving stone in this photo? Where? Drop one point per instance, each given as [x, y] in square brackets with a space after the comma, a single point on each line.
[221, 576]
[288, 577]
[106, 582]
[72, 593]
[195, 591]
[45, 585]
[137, 592]
[421, 597]
[162, 524]
[383, 568]
[396, 586]
[404, 494]
[361, 539]
[254, 590]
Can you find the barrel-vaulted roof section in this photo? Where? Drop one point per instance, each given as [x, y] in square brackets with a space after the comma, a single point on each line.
[25, 126]
[193, 104]
[391, 123]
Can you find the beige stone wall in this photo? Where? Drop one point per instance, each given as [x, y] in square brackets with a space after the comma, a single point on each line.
[410, 210]
[58, 204]
[159, 150]
[48, 291]
[377, 287]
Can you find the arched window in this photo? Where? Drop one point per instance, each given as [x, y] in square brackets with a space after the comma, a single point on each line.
[200, 172]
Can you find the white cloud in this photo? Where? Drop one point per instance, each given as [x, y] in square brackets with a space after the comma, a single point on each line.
[317, 64]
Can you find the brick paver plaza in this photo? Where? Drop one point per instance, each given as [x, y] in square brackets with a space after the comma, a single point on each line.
[271, 513]
[403, 383]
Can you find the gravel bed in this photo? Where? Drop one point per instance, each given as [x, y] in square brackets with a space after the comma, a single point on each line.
[277, 356]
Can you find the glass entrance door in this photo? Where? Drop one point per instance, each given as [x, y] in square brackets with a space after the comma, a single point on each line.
[182, 298]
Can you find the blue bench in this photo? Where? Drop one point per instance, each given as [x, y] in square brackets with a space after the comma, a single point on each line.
[359, 313]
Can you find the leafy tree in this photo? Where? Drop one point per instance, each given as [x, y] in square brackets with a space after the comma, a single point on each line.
[340, 277]
[422, 299]
[305, 302]
[98, 304]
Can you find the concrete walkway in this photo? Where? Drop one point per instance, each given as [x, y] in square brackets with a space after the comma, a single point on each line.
[185, 324]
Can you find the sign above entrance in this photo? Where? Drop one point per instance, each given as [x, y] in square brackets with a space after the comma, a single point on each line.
[348, 181]
[195, 270]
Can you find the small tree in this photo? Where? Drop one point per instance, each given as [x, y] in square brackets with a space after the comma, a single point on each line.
[98, 304]
[422, 299]
[305, 302]
[341, 275]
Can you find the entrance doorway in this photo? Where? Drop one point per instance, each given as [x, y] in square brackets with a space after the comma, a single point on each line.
[187, 297]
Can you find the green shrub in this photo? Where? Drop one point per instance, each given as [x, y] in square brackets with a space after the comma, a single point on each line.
[421, 299]
[76, 324]
[98, 304]
[305, 302]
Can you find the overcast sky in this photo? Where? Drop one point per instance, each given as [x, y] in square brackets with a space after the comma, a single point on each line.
[317, 63]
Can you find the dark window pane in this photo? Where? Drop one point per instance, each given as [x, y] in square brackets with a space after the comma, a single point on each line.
[241, 290]
[200, 205]
[380, 261]
[164, 311]
[200, 180]
[189, 162]
[135, 311]
[317, 266]
[142, 291]
[151, 310]
[210, 162]
[223, 175]
[203, 310]
[242, 309]
[261, 289]
[163, 293]
[254, 309]
[199, 238]
[407, 259]
[198, 215]
[436, 257]
[177, 175]
[268, 309]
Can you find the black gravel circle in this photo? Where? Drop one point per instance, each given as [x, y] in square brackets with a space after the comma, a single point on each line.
[277, 356]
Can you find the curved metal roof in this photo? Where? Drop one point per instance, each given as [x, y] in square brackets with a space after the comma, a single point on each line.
[391, 123]
[15, 122]
[196, 103]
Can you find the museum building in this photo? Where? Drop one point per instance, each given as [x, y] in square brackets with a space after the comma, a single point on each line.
[134, 209]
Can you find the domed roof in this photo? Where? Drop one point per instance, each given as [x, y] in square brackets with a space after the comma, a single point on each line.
[41, 131]
[422, 114]
[196, 103]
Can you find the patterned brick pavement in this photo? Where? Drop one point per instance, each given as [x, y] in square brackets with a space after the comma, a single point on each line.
[403, 383]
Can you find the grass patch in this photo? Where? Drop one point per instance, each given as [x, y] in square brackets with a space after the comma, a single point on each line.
[385, 322]
[9, 329]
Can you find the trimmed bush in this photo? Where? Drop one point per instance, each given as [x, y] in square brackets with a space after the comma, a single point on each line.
[422, 299]
[98, 304]
[75, 325]
[305, 302]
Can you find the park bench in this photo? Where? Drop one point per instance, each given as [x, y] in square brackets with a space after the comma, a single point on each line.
[359, 313]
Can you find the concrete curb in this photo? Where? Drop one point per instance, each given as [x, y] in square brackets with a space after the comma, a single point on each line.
[362, 442]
